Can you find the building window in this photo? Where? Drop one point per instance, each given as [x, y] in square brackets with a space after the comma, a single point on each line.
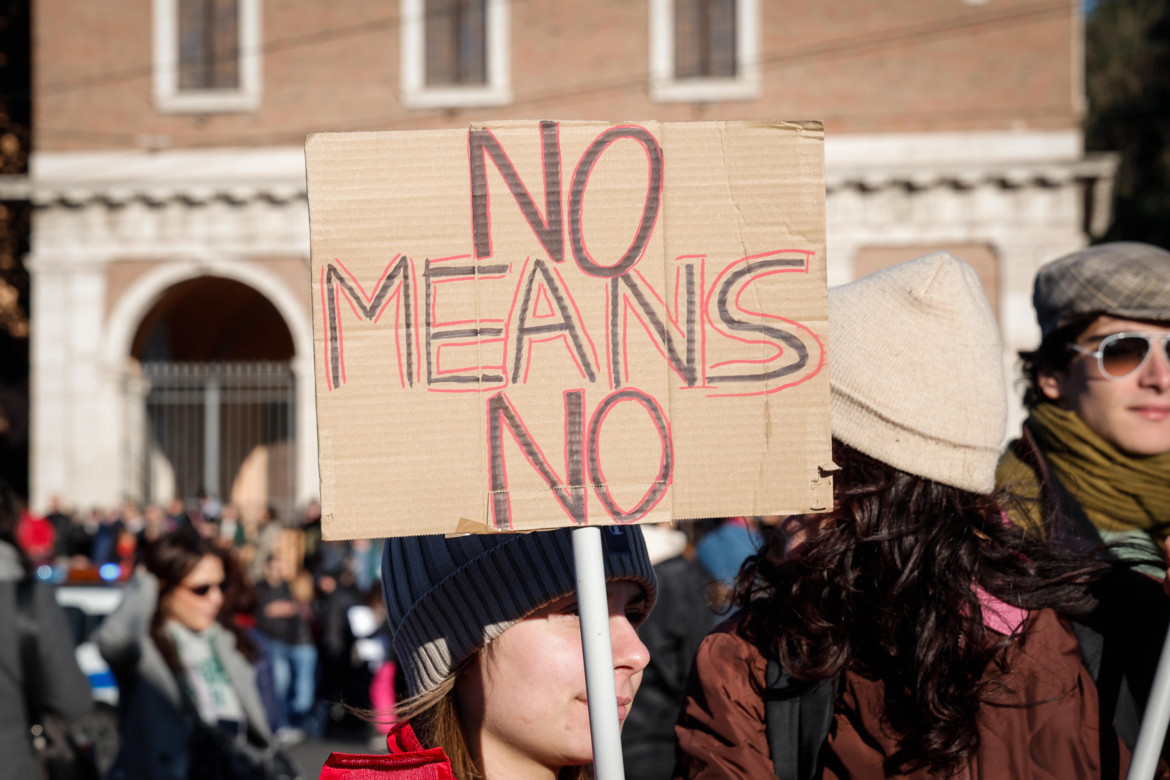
[209, 42]
[207, 55]
[704, 39]
[454, 53]
[456, 45]
[704, 50]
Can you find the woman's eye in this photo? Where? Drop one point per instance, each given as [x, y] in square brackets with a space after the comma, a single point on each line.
[636, 616]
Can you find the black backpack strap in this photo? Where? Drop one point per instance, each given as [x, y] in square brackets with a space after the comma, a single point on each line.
[798, 716]
[1112, 717]
[1120, 645]
[1092, 644]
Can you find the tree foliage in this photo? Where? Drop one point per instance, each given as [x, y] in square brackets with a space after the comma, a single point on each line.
[1127, 65]
[15, 136]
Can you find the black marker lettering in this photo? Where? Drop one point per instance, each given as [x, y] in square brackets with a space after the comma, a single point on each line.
[550, 231]
[685, 365]
[594, 444]
[397, 278]
[570, 494]
[565, 323]
[433, 333]
[791, 341]
[649, 210]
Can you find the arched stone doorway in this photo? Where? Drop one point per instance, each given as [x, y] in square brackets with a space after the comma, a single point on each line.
[212, 401]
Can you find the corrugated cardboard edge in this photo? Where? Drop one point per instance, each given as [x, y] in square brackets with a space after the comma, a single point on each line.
[326, 526]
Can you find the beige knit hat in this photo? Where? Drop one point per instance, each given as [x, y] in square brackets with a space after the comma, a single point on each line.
[916, 371]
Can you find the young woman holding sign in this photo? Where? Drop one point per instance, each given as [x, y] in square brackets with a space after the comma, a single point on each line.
[488, 641]
[912, 631]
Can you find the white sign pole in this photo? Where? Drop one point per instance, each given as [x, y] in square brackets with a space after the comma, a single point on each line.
[1157, 717]
[593, 608]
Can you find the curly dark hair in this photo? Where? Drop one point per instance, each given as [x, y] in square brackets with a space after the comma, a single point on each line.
[884, 585]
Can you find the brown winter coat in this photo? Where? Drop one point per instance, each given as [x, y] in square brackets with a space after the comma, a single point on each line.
[1045, 727]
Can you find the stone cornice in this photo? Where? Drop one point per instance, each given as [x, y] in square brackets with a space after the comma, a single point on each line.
[15, 188]
[235, 176]
[1044, 173]
[911, 163]
[121, 193]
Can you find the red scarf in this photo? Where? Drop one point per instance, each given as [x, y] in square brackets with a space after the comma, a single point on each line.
[407, 760]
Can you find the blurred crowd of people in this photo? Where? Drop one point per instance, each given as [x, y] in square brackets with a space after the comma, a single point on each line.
[315, 609]
[313, 606]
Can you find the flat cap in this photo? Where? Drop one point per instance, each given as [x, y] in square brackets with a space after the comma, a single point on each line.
[1122, 279]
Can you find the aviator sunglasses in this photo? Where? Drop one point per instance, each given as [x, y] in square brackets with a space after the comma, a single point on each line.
[1121, 354]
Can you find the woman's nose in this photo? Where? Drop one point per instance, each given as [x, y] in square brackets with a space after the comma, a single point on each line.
[628, 650]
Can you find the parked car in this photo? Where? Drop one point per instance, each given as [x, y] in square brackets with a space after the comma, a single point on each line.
[88, 596]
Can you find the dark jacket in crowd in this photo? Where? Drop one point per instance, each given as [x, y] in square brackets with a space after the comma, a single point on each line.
[291, 630]
[672, 634]
[64, 689]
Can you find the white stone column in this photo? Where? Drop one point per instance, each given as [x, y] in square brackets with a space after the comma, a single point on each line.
[49, 467]
[75, 411]
[308, 476]
[136, 451]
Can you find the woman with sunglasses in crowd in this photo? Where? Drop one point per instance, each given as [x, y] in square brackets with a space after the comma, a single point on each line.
[1095, 449]
[184, 670]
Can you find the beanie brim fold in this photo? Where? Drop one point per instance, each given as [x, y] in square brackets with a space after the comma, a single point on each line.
[440, 620]
[962, 464]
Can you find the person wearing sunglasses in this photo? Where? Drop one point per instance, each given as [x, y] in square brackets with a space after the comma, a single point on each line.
[1095, 448]
[183, 669]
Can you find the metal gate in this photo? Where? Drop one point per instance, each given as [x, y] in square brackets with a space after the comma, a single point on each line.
[225, 428]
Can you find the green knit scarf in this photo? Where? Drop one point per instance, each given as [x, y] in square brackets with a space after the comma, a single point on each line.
[1118, 492]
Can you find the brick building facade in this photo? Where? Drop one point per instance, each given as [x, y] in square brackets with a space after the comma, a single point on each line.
[170, 237]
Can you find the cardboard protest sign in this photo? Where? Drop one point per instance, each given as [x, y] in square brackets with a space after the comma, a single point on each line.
[529, 325]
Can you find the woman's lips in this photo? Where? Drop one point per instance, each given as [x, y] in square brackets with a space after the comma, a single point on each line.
[623, 705]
